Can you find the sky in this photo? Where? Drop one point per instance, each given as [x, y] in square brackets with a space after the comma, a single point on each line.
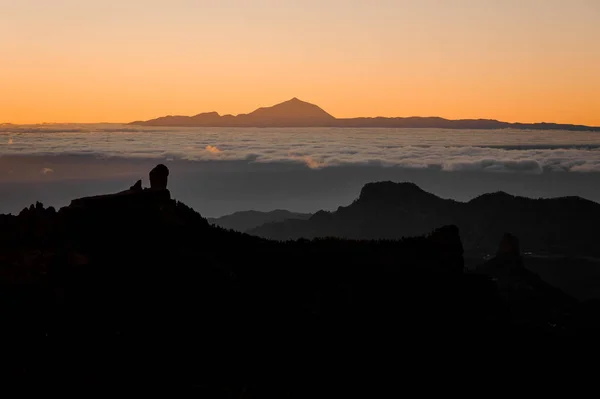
[120, 61]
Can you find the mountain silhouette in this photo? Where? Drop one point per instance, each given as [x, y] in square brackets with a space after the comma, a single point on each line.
[245, 220]
[297, 113]
[136, 290]
[388, 210]
[292, 113]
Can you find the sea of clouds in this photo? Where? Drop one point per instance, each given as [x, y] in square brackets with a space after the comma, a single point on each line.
[523, 151]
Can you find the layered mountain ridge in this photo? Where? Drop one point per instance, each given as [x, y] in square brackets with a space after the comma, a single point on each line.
[245, 220]
[388, 210]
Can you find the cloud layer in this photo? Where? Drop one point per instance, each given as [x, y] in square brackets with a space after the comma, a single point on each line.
[532, 152]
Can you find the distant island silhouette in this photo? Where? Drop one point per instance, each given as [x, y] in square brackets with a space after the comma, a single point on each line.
[298, 113]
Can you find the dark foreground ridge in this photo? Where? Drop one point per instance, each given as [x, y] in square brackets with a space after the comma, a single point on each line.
[297, 113]
[136, 290]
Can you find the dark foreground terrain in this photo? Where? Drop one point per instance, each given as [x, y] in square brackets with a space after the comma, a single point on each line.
[137, 291]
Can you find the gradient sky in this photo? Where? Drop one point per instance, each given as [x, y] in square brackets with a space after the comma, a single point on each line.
[124, 60]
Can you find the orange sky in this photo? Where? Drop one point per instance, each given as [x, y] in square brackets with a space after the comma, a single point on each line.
[105, 61]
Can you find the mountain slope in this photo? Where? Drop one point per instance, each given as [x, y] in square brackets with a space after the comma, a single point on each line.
[293, 113]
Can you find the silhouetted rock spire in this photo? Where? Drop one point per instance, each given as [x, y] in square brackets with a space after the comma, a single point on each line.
[158, 177]
[137, 186]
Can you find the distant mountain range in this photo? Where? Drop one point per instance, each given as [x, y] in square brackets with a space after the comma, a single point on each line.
[388, 210]
[297, 113]
[402, 209]
[246, 220]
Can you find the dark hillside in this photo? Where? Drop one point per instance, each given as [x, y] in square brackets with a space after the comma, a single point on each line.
[137, 291]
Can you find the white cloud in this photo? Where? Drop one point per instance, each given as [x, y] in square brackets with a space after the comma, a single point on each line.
[509, 151]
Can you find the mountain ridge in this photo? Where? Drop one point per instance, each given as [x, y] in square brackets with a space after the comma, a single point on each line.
[388, 210]
[298, 113]
[245, 220]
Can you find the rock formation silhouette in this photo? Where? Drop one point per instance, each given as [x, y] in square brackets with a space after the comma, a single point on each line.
[159, 177]
[137, 186]
[526, 294]
[136, 290]
[153, 197]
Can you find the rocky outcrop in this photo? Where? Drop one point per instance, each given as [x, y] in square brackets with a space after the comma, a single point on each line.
[508, 260]
[159, 177]
[137, 186]
[404, 194]
[525, 292]
[135, 197]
